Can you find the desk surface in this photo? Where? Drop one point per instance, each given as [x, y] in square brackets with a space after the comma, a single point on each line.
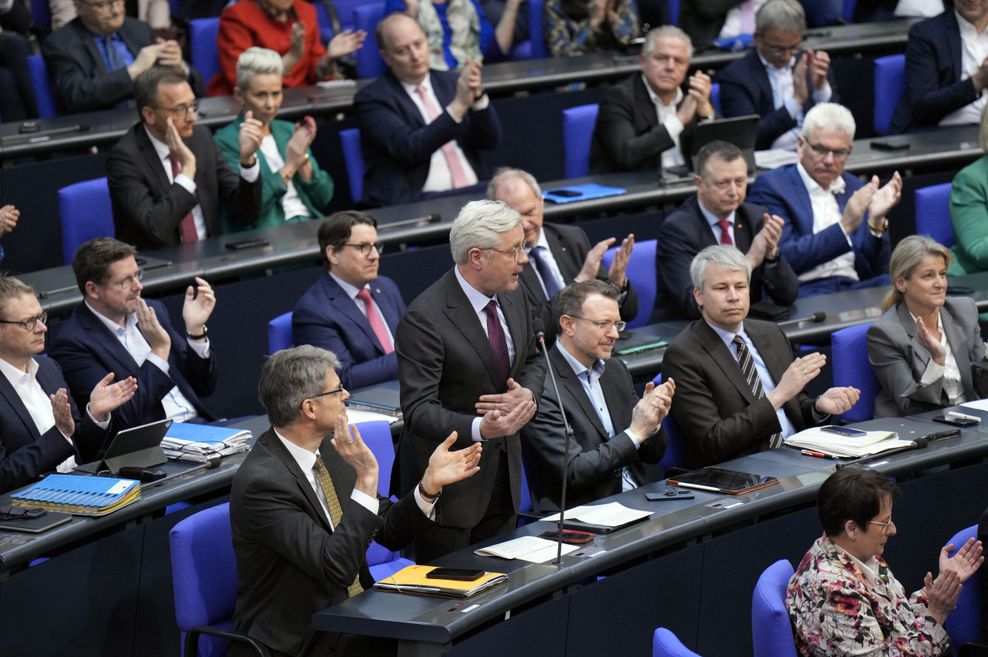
[500, 78]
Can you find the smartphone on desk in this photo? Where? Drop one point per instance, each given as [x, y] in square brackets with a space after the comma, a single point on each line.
[847, 432]
[459, 574]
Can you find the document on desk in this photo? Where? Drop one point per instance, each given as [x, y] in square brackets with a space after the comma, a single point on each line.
[977, 404]
[613, 515]
[527, 548]
[832, 444]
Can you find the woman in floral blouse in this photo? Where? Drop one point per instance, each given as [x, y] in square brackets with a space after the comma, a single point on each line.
[844, 600]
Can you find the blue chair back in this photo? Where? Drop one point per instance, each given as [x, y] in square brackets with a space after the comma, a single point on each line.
[280, 333]
[675, 454]
[715, 97]
[771, 631]
[85, 212]
[353, 160]
[667, 644]
[933, 213]
[41, 16]
[964, 623]
[641, 273]
[204, 574]
[382, 561]
[536, 36]
[847, 12]
[202, 46]
[890, 82]
[849, 353]
[369, 62]
[673, 11]
[43, 96]
[578, 125]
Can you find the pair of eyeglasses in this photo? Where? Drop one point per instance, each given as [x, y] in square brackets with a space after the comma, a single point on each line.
[603, 324]
[28, 324]
[823, 151]
[183, 109]
[514, 254]
[884, 525]
[329, 392]
[365, 248]
[105, 5]
[137, 276]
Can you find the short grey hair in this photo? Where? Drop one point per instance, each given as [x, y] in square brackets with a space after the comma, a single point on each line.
[829, 116]
[480, 224]
[502, 176]
[783, 15]
[257, 61]
[291, 376]
[666, 32]
[722, 255]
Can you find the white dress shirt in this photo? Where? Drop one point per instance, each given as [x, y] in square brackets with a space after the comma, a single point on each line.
[666, 114]
[949, 371]
[826, 213]
[780, 79]
[439, 178]
[291, 203]
[974, 50]
[352, 291]
[732, 22]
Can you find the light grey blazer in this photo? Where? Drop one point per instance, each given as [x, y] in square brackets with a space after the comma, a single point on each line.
[899, 360]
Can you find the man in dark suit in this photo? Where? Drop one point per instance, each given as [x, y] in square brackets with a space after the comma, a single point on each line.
[40, 426]
[115, 330]
[777, 80]
[613, 431]
[558, 254]
[835, 232]
[717, 214]
[421, 131]
[303, 509]
[467, 361]
[945, 81]
[167, 177]
[94, 59]
[350, 310]
[647, 121]
[704, 21]
[738, 388]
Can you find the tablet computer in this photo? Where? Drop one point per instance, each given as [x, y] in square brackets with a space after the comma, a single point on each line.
[720, 480]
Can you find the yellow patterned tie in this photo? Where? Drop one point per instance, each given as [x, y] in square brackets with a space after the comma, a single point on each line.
[335, 511]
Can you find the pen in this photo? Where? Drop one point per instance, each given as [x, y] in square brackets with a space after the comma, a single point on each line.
[819, 455]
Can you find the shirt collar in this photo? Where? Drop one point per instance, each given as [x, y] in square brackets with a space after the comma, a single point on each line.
[16, 376]
[410, 88]
[711, 218]
[726, 336]
[597, 368]
[160, 147]
[966, 29]
[655, 97]
[351, 290]
[772, 69]
[542, 241]
[306, 460]
[477, 299]
[836, 187]
[115, 328]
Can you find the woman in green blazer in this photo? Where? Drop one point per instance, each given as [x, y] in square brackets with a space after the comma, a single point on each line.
[294, 187]
[969, 211]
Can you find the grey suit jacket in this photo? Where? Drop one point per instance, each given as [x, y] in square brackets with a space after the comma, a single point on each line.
[594, 461]
[899, 360]
[714, 408]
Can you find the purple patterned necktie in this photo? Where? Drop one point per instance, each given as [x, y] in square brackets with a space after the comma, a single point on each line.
[499, 346]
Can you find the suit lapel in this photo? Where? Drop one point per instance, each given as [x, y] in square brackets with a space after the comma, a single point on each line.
[744, 228]
[514, 315]
[571, 383]
[386, 305]
[800, 198]
[562, 256]
[775, 362]
[154, 163]
[279, 450]
[467, 322]
[408, 107]
[724, 358]
[644, 105]
[920, 356]
[341, 302]
[14, 401]
[954, 43]
[959, 349]
[760, 76]
[109, 342]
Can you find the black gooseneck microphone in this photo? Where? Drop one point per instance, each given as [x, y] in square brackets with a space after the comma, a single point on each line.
[567, 430]
[815, 318]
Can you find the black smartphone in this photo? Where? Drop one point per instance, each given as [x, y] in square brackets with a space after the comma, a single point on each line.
[460, 574]
[670, 494]
[884, 145]
[562, 191]
[570, 536]
[847, 432]
[958, 422]
[247, 244]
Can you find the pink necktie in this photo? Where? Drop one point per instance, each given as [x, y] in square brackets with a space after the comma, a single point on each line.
[187, 227]
[747, 17]
[376, 321]
[456, 171]
[725, 232]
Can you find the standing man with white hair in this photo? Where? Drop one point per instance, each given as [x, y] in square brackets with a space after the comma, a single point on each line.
[468, 362]
[648, 119]
[835, 233]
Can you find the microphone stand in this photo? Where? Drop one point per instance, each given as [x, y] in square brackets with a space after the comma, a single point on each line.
[568, 431]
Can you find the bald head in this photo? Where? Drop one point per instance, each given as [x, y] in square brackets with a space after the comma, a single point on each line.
[403, 47]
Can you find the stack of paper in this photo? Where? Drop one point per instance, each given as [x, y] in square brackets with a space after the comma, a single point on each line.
[412, 579]
[832, 444]
[600, 518]
[527, 548]
[83, 496]
[198, 443]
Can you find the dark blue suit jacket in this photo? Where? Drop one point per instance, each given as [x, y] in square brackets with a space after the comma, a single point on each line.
[782, 191]
[398, 144]
[25, 454]
[87, 350]
[745, 89]
[327, 317]
[934, 87]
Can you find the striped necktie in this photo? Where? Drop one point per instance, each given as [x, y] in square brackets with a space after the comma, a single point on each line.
[750, 374]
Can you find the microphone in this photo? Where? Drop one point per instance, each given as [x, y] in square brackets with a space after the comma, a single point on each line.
[815, 318]
[567, 431]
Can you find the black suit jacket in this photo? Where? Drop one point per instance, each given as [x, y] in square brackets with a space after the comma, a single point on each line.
[685, 232]
[704, 19]
[714, 408]
[569, 246]
[148, 210]
[87, 350]
[934, 87]
[398, 144]
[25, 454]
[444, 365]
[745, 89]
[290, 564]
[627, 136]
[77, 69]
[595, 461]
